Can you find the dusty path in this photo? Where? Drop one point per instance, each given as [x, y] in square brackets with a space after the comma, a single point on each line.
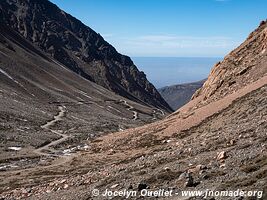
[161, 111]
[155, 113]
[47, 151]
[130, 108]
[53, 143]
[58, 117]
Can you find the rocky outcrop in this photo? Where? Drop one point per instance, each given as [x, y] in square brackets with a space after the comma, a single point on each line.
[178, 95]
[240, 67]
[79, 48]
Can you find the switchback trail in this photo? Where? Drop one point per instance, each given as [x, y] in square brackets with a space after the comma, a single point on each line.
[58, 117]
[130, 108]
[156, 111]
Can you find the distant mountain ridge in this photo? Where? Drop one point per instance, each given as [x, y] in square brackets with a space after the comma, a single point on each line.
[78, 48]
[178, 95]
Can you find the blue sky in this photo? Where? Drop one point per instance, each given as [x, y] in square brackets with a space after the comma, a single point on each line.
[170, 28]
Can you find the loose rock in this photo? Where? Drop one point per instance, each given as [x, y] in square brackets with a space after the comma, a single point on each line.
[221, 155]
[142, 186]
[114, 186]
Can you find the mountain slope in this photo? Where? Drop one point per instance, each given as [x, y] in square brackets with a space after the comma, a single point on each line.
[46, 108]
[158, 164]
[178, 95]
[242, 66]
[78, 48]
[216, 142]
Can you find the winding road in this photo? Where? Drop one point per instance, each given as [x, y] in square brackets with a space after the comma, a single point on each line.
[130, 108]
[64, 137]
[161, 111]
[58, 117]
[155, 113]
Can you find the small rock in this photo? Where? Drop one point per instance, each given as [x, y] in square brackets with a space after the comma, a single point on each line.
[197, 169]
[221, 155]
[51, 184]
[87, 181]
[222, 166]
[62, 181]
[200, 167]
[187, 177]
[167, 169]
[182, 176]
[142, 186]
[205, 176]
[189, 182]
[112, 151]
[114, 186]
[66, 186]
[29, 190]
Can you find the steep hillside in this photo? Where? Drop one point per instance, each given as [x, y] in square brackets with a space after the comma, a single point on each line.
[167, 163]
[78, 48]
[46, 108]
[216, 142]
[178, 95]
[218, 146]
[242, 66]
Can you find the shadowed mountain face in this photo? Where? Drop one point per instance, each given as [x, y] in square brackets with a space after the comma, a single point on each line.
[178, 95]
[79, 48]
[46, 108]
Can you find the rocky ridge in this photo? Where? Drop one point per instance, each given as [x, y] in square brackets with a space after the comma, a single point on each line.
[240, 67]
[178, 95]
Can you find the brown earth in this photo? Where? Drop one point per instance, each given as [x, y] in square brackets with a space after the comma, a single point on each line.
[139, 156]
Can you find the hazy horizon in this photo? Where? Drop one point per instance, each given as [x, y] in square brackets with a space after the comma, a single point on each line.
[166, 71]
